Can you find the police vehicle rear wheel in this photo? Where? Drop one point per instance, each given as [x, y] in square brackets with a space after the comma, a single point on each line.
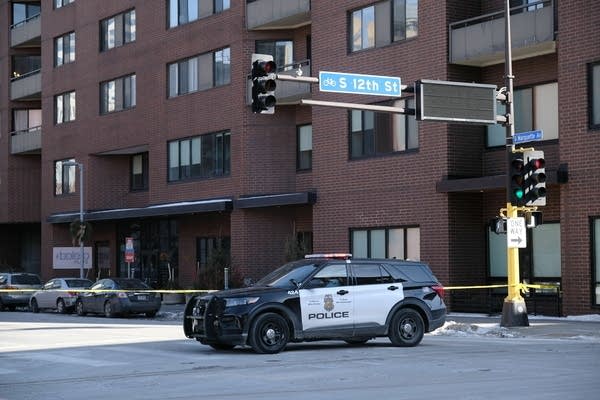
[407, 328]
[268, 334]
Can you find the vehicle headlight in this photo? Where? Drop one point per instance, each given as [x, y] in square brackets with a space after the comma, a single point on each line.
[240, 301]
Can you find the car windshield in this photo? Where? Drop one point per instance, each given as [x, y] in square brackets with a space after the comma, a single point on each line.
[22, 279]
[282, 276]
[131, 284]
[78, 283]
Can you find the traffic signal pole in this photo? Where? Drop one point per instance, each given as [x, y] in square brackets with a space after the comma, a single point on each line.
[514, 310]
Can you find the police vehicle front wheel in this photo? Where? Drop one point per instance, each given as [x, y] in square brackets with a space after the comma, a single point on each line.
[407, 328]
[269, 333]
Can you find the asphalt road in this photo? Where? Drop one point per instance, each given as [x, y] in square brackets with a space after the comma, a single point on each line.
[51, 356]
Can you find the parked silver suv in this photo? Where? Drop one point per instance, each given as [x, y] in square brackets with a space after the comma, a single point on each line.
[11, 285]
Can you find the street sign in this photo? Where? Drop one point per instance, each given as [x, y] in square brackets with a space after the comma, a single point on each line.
[472, 103]
[129, 252]
[530, 136]
[516, 234]
[376, 85]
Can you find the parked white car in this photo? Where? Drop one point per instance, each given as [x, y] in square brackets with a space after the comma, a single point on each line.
[58, 294]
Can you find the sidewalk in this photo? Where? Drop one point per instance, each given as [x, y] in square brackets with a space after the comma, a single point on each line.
[584, 327]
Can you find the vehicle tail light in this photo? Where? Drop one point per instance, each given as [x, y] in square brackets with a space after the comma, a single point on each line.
[439, 289]
[72, 294]
[10, 288]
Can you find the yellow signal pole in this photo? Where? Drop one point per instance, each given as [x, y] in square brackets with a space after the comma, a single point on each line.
[514, 311]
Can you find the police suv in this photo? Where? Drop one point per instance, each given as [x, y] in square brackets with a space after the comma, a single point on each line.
[326, 296]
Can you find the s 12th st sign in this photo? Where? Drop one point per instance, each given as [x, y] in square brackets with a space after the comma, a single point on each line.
[376, 85]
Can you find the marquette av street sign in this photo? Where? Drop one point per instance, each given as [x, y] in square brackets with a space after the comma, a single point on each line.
[530, 136]
[376, 85]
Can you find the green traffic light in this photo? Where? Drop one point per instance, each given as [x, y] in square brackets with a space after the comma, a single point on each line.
[519, 193]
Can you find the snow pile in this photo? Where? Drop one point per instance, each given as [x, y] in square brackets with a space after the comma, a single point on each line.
[453, 328]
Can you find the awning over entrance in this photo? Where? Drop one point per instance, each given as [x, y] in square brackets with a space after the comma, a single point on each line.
[184, 207]
[273, 200]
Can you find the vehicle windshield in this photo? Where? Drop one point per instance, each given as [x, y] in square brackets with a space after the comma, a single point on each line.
[282, 276]
[78, 283]
[131, 284]
[26, 280]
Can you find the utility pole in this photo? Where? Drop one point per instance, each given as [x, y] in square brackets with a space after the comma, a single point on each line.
[514, 310]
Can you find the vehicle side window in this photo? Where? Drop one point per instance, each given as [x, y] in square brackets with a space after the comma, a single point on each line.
[330, 276]
[3, 279]
[370, 274]
[97, 286]
[48, 285]
[56, 284]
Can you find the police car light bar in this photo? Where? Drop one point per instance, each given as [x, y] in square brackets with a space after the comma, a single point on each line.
[341, 256]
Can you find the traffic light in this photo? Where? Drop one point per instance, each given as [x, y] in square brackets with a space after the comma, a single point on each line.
[498, 225]
[517, 180]
[535, 178]
[263, 84]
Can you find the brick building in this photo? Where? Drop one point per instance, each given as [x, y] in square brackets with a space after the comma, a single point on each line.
[151, 98]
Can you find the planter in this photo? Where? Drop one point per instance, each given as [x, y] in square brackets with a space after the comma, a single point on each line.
[173, 298]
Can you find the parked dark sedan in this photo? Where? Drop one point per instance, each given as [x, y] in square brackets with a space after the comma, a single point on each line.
[119, 296]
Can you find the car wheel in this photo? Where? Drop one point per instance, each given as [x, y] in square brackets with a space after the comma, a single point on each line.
[269, 333]
[60, 306]
[407, 328]
[222, 346]
[151, 314]
[79, 308]
[108, 310]
[357, 341]
[33, 305]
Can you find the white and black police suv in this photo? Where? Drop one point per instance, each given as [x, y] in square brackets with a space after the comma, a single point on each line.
[325, 296]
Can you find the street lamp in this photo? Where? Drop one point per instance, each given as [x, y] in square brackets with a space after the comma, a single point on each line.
[80, 165]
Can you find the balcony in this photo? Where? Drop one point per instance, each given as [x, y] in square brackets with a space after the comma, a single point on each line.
[480, 41]
[27, 87]
[27, 141]
[27, 33]
[277, 14]
[288, 93]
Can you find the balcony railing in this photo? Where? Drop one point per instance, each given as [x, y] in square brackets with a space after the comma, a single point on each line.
[27, 33]
[288, 93]
[26, 141]
[480, 41]
[27, 86]
[277, 14]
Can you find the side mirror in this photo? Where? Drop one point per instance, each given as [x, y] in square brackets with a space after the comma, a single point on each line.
[297, 284]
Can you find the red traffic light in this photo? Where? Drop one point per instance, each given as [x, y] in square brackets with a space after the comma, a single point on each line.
[262, 68]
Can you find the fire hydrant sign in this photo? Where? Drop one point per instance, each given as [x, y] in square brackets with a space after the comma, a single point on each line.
[129, 252]
[516, 233]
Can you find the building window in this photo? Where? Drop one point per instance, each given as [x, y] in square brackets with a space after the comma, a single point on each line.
[536, 108]
[24, 65]
[596, 259]
[372, 26]
[373, 133]
[118, 30]
[205, 246]
[542, 260]
[402, 243]
[304, 146]
[203, 156]
[26, 120]
[64, 107]
[199, 73]
[62, 3]
[21, 12]
[281, 50]
[594, 95]
[64, 177]
[118, 94]
[184, 11]
[64, 49]
[139, 171]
